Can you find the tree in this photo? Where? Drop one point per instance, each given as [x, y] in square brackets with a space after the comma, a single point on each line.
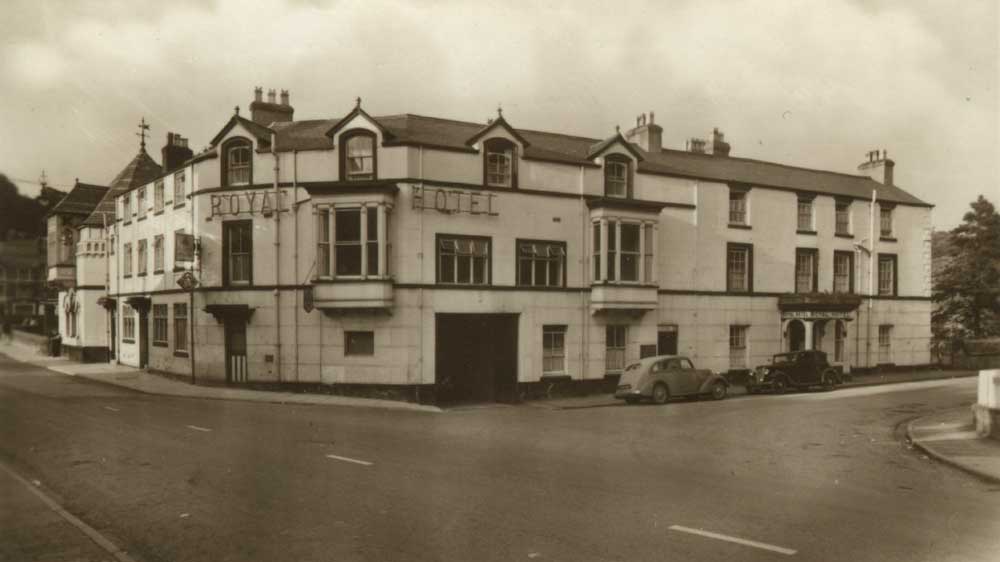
[967, 285]
[20, 216]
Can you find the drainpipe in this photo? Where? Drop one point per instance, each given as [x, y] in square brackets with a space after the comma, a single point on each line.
[107, 282]
[585, 227]
[295, 254]
[277, 264]
[871, 272]
[195, 265]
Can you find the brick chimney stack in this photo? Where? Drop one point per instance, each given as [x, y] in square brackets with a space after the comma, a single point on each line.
[265, 113]
[719, 145]
[647, 134]
[175, 152]
[878, 167]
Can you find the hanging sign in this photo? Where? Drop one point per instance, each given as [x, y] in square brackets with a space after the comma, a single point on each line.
[451, 201]
[183, 247]
[248, 202]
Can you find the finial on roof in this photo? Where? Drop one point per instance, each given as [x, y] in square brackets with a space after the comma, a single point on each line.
[357, 102]
[43, 180]
[618, 130]
[499, 110]
[236, 110]
[143, 127]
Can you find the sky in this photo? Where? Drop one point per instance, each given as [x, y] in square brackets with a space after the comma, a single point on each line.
[814, 84]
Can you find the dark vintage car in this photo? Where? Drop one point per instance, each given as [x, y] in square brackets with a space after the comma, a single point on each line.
[663, 377]
[794, 370]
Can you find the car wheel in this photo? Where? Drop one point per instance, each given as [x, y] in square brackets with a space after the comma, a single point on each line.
[660, 394]
[780, 385]
[719, 390]
[631, 401]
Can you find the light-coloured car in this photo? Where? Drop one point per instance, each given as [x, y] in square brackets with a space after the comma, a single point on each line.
[664, 377]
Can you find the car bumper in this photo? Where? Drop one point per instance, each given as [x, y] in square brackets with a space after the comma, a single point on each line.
[622, 393]
[760, 386]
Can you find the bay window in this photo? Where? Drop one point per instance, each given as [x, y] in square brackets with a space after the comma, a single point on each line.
[351, 241]
[627, 248]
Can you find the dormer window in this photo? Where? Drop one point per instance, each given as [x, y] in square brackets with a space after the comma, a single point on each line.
[357, 156]
[616, 176]
[237, 162]
[500, 163]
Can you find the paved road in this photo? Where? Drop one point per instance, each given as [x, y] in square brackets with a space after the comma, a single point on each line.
[826, 475]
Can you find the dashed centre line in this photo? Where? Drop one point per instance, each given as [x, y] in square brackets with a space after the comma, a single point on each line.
[737, 540]
[110, 409]
[348, 459]
[198, 428]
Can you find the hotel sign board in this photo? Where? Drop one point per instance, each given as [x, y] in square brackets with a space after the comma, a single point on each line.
[454, 201]
[247, 202]
[183, 247]
[816, 314]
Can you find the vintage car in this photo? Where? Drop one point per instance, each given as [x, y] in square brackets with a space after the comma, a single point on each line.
[797, 369]
[664, 377]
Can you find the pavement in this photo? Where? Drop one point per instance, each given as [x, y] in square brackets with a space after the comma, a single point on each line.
[809, 476]
[950, 437]
[143, 381]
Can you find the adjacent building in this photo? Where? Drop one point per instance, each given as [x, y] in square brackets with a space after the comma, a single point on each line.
[445, 260]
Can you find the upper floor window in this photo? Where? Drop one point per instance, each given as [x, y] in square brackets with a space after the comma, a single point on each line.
[737, 207]
[887, 274]
[127, 207]
[806, 269]
[464, 260]
[127, 259]
[179, 188]
[541, 264]
[158, 253]
[351, 242]
[357, 156]
[237, 162]
[843, 218]
[627, 251]
[141, 258]
[805, 214]
[739, 268]
[885, 221]
[67, 245]
[617, 176]
[237, 248]
[500, 163]
[140, 202]
[843, 272]
[158, 196]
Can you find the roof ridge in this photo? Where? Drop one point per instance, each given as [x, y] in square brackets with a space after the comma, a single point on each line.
[758, 161]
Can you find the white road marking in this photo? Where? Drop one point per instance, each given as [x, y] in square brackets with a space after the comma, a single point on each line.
[196, 428]
[95, 536]
[737, 540]
[348, 459]
[109, 408]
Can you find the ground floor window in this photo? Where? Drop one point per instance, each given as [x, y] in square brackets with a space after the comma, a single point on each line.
[666, 340]
[614, 357]
[160, 312]
[553, 349]
[359, 343]
[180, 327]
[128, 323]
[840, 337]
[738, 347]
[885, 343]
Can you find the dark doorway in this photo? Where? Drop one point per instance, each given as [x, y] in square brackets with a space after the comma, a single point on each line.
[143, 338]
[666, 340]
[112, 345]
[236, 350]
[796, 336]
[476, 357]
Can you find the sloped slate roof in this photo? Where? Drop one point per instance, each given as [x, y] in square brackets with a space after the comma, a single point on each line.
[80, 200]
[410, 129]
[141, 170]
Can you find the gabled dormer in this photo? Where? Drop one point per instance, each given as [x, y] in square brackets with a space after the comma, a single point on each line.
[618, 159]
[357, 138]
[501, 147]
[236, 145]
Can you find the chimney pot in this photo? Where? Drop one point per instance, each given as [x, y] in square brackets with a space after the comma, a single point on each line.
[652, 117]
[270, 95]
[258, 93]
[175, 152]
[284, 97]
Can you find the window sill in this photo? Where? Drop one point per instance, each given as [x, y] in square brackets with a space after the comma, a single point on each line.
[887, 239]
[127, 340]
[157, 213]
[740, 226]
[555, 377]
[157, 271]
[142, 218]
[806, 232]
[143, 274]
[179, 205]
[160, 344]
[126, 223]
[739, 292]
[181, 354]
[844, 235]
[179, 268]
[127, 276]
[463, 285]
[638, 284]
